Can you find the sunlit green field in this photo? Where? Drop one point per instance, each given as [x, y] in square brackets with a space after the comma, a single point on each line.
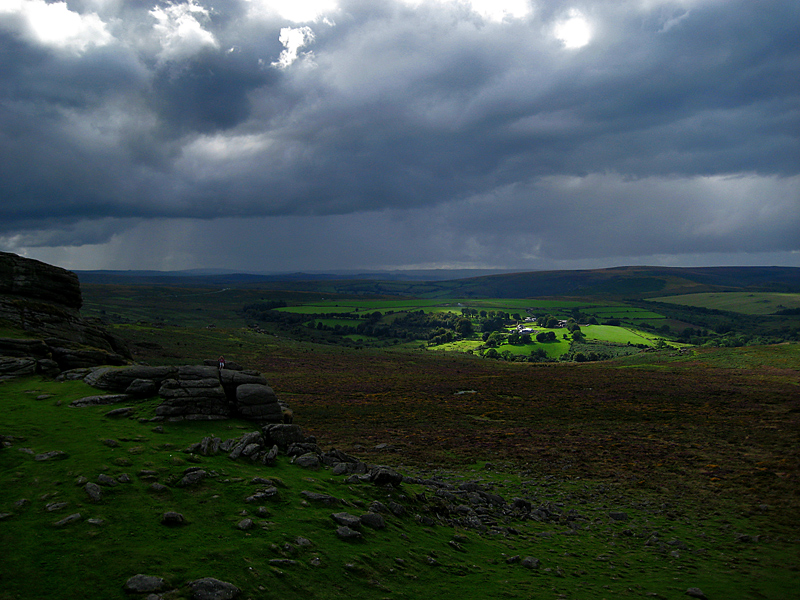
[750, 303]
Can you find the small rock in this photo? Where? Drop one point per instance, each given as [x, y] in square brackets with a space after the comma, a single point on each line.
[694, 592]
[22, 502]
[54, 506]
[308, 461]
[512, 560]
[172, 518]
[346, 519]
[192, 478]
[96, 522]
[315, 562]
[157, 487]
[144, 584]
[4, 516]
[346, 533]
[618, 516]
[52, 455]
[124, 478]
[111, 443]
[158, 429]
[530, 563]
[282, 562]
[209, 588]
[70, 519]
[373, 520]
[120, 412]
[385, 476]
[81, 480]
[245, 524]
[321, 498]
[104, 479]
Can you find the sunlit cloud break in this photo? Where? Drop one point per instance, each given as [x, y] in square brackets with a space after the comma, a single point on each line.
[294, 38]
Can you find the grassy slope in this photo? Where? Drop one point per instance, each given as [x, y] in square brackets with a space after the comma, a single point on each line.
[602, 558]
[750, 303]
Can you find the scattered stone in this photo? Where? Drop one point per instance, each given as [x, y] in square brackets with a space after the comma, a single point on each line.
[120, 412]
[346, 519]
[111, 443]
[22, 502]
[346, 533]
[385, 476]
[529, 562]
[96, 522]
[373, 520]
[321, 498]
[315, 562]
[104, 479]
[144, 584]
[54, 506]
[52, 455]
[172, 518]
[67, 520]
[158, 429]
[148, 474]
[4, 516]
[209, 588]
[100, 400]
[396, 509]
[158, 488]
[124, 478]
[308, 461]
[94, 492]
[456, 546]
[694, 592]
[618, 516]
[282, 562]
[303, 542]
[193, 477]
[245, 524]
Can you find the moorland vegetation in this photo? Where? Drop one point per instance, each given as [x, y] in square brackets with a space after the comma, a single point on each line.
[656, 467]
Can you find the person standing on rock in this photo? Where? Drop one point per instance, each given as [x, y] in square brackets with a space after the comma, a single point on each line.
[221, 363]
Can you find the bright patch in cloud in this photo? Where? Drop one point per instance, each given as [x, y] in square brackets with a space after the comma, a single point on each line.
[297, 11]
[494, 10]
[180, 31]
[57, 26]
[574, 31]
[497, 10]
[293, 38]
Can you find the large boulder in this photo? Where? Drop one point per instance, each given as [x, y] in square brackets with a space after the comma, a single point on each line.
[119, 379]
[282, 435]
[258, 402]
[44, 301]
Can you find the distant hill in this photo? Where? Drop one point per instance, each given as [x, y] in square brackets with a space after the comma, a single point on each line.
[618, 282]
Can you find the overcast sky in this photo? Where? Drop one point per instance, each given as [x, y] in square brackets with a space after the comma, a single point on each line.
[265, 135]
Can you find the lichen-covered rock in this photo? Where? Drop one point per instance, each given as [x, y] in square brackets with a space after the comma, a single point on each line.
[16, 367]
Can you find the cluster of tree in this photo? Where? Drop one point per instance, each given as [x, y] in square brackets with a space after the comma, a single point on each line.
[538, 355]
[711, 326]
[433, 328]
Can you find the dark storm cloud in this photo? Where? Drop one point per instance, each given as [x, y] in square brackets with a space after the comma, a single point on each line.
[182, 111]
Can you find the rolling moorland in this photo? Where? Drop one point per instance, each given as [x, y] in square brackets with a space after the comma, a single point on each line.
[669, 468]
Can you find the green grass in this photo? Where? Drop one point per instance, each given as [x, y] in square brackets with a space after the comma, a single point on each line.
[620, 335]
[598, 557]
